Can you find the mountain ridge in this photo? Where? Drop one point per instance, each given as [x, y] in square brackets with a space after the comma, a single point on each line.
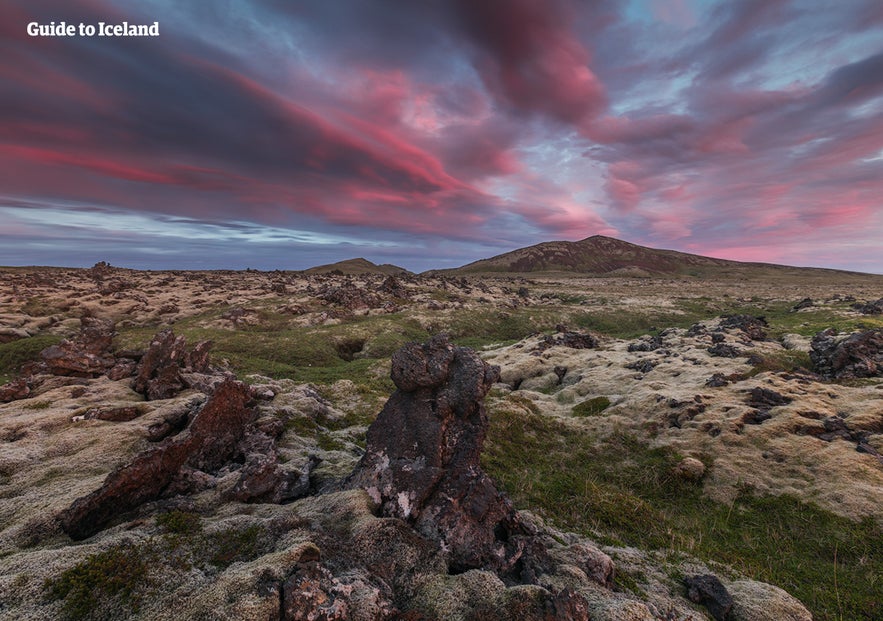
[599, 255]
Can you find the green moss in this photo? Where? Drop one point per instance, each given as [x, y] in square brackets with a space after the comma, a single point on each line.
[39, 306]
[113, 579]
[235, 544]
[15, 353]
[327, 442]
[787, 360]
[179, 522]
[617, 489]
[591, 407]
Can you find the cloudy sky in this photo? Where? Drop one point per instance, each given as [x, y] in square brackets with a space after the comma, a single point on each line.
[430, 133]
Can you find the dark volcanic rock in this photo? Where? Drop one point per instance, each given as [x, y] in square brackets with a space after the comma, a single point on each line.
[573, 340]
[804, 303]
[717, 380]
[764, 398]
[646, 344]
[645, 365]
[708, 590]
[753, 327]
[209, 443]
[723, 350]
[871, 308]
[422, 460]
[159, 374]
[86, 355]
[848, 357]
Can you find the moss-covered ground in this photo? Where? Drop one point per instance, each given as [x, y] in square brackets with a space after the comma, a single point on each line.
[626, 493]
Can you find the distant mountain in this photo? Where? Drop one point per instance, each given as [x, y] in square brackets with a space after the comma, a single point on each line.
[358, 266]
[606, 256]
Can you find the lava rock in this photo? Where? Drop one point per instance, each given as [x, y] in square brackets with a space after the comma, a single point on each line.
[804, 303]
[753, 327]
[209, 443]
[86, 355]
[871, 308]
[422, 459]
[764, 398]
[573, 340]
[722, 350]
[646, 344]
[14, 390]
[159, 374]
[708, 590]
[851, 356]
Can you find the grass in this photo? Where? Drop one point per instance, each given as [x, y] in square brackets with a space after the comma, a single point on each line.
[15, 353]
[115, 578]
[625, 492]
[232, 544]
[591, 407]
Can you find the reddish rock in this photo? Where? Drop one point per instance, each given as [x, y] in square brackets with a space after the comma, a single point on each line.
[86, 355]
[210, 443]
[159, 372]
[14, 390]
[117, 415]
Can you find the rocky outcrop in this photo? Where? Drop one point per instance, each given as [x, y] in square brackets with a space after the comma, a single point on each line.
[220, 432]
[850, 356]
[160, 372]
[754, 328]
[870, 308]
[422, 468]
[422, 461]
[86, 355]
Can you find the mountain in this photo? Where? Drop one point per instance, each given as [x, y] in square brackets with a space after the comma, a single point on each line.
[358, 266]
[605, 256]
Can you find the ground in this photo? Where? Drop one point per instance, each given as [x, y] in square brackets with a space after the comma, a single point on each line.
[629, 442]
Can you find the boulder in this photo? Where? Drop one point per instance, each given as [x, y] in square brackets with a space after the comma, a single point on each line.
[850, 356]
[708, 590]
[86, 355]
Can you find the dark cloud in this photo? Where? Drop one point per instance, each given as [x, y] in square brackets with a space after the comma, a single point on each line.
[460, 127]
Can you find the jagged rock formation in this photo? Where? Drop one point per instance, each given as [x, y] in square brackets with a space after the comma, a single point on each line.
[161, 370]
[848, 356]
[218, 432]
[86, 355]
[422, 462]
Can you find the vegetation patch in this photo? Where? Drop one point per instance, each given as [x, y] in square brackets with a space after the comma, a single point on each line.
[622, 491]
[179, 522]
[16, 353]
[233, 544]
[114, 579]
[591, 407]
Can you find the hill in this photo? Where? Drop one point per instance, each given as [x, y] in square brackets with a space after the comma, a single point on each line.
[605, 256]
[357, 266]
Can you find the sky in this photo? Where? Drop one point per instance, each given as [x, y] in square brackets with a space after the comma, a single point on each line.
[274, 134]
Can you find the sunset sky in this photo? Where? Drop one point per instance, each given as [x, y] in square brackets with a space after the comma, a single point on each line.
[431, 133]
